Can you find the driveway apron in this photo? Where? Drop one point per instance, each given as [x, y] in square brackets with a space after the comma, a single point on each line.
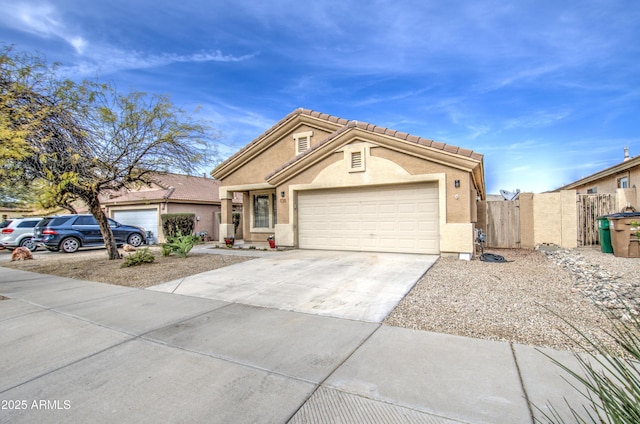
[363, 286]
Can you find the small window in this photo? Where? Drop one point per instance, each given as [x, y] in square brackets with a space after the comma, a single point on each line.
[593, 190]
[302, 141]
[623, 182]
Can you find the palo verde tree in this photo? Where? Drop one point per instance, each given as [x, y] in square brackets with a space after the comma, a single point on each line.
[77, 140]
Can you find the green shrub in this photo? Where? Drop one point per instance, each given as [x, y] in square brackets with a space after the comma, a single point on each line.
[166, 250]
[179, 244]
[177, 223]
[142, 256]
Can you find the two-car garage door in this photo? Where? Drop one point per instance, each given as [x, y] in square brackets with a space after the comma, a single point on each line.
[399, 218]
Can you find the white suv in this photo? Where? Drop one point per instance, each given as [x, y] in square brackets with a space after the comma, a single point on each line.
[18, 233]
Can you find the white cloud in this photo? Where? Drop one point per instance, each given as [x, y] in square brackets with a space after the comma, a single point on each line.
[537, 119]
[106, 60]
[42, 20]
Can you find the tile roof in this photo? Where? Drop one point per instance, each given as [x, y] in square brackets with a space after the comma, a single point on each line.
[347, 124]
[170, 187]
[379, 130]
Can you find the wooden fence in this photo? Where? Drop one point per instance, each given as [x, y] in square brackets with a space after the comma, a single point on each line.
[503, 224]
[590, 207]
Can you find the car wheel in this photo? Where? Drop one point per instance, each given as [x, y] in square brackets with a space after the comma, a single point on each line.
[135, 240]
[29, 244]
[69, 245]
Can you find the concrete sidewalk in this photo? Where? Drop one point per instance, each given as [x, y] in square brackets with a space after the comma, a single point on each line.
[76, 351]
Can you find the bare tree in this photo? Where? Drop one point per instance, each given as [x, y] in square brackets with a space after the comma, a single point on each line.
[79, 140]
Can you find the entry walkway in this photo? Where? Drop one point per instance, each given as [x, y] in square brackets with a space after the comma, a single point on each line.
[77, 351]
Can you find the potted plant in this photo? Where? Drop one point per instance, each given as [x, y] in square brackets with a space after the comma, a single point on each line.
[229, 241]
[272, 242]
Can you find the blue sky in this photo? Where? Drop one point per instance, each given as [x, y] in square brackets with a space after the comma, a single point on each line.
[548, 91]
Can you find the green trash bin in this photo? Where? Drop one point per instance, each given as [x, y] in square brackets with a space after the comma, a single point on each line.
[605, 234]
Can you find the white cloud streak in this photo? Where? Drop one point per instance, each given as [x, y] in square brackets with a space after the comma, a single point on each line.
[42, 20]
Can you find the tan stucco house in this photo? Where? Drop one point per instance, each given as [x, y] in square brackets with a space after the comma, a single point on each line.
[316, 181]
[623, 175]
[169, 193]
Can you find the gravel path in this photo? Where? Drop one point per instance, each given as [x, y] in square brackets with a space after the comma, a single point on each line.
[511, 301]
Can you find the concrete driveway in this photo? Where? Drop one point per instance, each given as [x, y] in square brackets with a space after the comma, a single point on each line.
[363, 286]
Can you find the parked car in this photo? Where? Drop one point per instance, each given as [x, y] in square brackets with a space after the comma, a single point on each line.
[71, 232]
[18, 233]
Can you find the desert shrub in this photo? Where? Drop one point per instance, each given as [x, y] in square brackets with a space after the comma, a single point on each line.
[608, 380]
[142, 256]
[177, 223]
[179, 244]
[166, 250]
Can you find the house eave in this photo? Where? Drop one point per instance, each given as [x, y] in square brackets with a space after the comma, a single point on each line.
[354, 133]
[266, 140]
[613, 170]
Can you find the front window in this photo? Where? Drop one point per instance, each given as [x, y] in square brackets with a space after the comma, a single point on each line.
[623, 182]
[264, 211]
[261, 211]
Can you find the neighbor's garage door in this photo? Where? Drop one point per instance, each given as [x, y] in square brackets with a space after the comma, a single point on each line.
[402, 218]
[145, 218]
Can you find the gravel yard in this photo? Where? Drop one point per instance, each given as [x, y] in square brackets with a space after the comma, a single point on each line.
[508, 301]
[93, 265]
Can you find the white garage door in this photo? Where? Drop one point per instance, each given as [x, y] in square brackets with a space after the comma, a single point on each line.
[402, 218]
[145, 218]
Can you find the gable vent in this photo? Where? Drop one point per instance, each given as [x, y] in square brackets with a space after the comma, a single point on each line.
[302, 141]
[303, 144]
[356, 159]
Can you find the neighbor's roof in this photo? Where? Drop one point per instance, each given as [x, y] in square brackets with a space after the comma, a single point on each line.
[612, 170]
[169, 187]
[343, 125]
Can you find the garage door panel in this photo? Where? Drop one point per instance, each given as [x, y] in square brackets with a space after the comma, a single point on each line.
[145, 218]
[400, 218]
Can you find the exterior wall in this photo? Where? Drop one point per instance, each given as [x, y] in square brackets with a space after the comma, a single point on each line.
[527, 238]
[7, 213]
[554, 219]
[627, 197]
[280, 152]
[383, 168]
[207, 213]
[609, 184]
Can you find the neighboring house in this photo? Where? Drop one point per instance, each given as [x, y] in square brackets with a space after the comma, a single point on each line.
[169, 193]
[9, 212]
[626, 174]
[316, 181]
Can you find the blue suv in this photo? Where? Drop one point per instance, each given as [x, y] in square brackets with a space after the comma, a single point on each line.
[71, 232]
